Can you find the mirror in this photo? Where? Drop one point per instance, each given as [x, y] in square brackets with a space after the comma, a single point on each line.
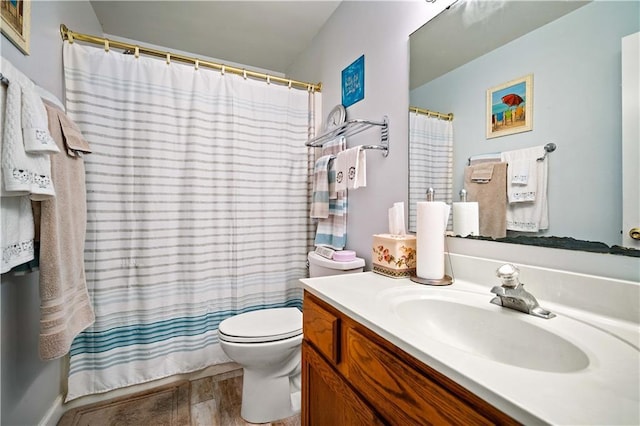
[572, 50]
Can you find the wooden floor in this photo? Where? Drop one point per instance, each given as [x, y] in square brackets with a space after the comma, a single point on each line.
[216, 400]
[209, 401]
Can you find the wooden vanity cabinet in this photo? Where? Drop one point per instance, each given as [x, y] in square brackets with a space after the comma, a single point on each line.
[352, 376]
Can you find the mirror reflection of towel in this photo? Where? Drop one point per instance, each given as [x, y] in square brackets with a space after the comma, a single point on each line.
[522, 174]
[528, 204]
[482, 173]
[491, 196]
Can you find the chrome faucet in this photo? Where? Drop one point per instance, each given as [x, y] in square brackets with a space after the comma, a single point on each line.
[511, 294]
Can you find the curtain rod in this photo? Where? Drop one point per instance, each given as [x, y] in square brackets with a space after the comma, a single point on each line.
[71, 36]
[441, 115]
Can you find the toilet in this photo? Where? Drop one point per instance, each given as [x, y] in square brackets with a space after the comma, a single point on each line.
[267, 344]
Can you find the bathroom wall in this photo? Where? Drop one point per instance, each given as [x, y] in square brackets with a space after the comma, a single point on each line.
[379, 30]
[29, 385]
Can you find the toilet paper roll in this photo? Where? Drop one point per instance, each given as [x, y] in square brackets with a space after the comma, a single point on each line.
[430, 229]
[466, 218]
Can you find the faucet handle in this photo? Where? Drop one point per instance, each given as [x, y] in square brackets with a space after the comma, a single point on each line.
[508, 273]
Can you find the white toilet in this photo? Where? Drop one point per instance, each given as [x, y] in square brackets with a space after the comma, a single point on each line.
[267, 344]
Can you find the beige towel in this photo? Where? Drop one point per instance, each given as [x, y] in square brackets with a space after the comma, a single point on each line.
[491, 196]
[73, 139]
[65, 306]
[482, 172]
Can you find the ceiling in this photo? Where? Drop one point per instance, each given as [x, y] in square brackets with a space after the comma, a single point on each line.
[470, 28]
[268, 35]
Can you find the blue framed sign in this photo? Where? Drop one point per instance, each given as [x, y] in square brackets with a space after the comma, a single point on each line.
[353, 82]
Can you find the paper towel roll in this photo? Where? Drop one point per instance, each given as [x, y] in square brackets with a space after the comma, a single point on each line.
[466, 218]
[430, 228]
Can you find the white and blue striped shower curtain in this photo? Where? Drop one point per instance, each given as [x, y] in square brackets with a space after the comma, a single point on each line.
[198, 209]
[430, 161]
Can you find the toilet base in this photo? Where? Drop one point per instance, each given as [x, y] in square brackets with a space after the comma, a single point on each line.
[267, 399]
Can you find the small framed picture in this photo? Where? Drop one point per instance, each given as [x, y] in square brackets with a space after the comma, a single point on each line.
[353, 82]
[510, 107]
[16, 22]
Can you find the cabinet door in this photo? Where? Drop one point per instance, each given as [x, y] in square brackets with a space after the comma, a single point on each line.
[403, 395]
[326, 399]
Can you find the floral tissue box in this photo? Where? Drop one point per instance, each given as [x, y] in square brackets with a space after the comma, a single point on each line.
[394, 255]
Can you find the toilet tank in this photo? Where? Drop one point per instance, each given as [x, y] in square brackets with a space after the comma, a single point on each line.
[320, 266]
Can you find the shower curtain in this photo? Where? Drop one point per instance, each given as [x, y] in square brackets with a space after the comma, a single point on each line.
[430, 160]
[198, 201]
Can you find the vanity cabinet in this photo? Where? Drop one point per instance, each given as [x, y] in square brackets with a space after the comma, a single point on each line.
[352, 376]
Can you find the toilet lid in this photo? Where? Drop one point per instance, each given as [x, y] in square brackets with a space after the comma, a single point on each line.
[265, 325]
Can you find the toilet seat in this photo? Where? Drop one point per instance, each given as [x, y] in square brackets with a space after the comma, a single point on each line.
[262, 326]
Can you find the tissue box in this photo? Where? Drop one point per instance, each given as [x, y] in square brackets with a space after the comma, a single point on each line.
[394, 255]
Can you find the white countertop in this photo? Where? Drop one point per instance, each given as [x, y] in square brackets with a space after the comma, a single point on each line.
[606, 391]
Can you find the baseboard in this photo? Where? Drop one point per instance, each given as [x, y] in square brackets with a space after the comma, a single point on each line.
[54, 413]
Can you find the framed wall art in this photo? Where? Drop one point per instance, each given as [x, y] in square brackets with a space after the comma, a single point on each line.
[353, 82]
[510, 107]
[16, 22]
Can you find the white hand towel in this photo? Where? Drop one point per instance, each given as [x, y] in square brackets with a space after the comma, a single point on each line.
[354, 166]
[361, 170]
[519, 172]
[23, 173]
[332, 148]
[522, 180]
[34, 124]
[531, 216]
[17, 232]
[341, 171]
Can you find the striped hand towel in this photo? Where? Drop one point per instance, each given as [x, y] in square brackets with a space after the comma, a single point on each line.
[332, 231]
[320, 200]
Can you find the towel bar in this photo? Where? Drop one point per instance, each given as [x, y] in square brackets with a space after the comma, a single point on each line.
[353, 127]
[550, 147]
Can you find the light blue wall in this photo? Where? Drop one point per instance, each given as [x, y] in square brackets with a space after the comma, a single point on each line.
[575, 62]
[30, 386]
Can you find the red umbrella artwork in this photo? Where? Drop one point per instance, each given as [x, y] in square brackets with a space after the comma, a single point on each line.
[512, 99]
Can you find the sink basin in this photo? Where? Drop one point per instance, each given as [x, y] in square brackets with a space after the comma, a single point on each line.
[468, 322]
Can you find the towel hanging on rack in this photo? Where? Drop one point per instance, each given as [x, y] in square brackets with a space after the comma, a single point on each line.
[351, 169]
[332, 231]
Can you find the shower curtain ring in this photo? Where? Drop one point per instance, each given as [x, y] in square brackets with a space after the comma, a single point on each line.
[268, 79]
[197, 64]
[106, 45]
[168, 58]
[222, 70]
[290, 84]
[137, 52]
[244, 73]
